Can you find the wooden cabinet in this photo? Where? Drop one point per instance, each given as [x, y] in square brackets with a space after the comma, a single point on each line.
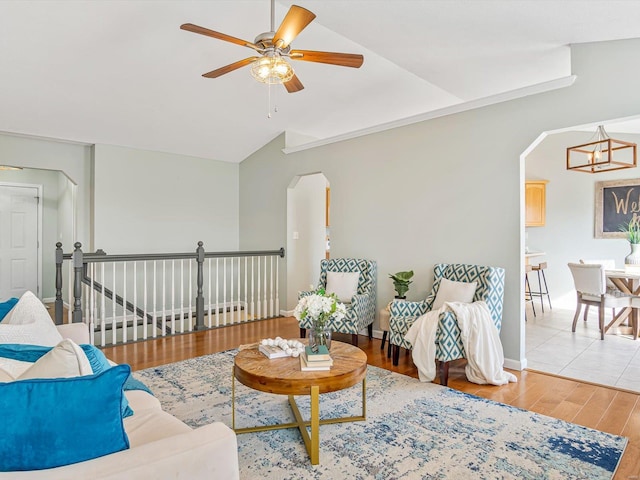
[535, 202]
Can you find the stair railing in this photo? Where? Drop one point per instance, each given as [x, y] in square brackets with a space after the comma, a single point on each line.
[133, 297]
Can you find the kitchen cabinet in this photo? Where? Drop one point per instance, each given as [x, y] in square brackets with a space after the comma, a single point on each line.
[535, 202]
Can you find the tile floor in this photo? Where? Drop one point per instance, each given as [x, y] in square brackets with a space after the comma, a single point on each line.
[551, 347]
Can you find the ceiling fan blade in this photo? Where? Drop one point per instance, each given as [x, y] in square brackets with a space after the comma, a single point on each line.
[190, 27]
[343, 59]
[229, 68]
[294, 85]
[294, 22]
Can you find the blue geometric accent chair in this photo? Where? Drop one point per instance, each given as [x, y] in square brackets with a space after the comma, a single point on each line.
[362, 310]
[490, 289]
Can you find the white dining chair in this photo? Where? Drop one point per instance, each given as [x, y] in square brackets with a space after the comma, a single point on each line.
[608, 264]
[591, 287]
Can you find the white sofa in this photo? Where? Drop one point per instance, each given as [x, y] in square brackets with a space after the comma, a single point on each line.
[161, 446]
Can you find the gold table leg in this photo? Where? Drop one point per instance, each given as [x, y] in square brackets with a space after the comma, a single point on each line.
[311, 441]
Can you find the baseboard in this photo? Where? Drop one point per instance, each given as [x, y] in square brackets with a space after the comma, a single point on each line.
[49, 300]
[286, 313]
[515, 364]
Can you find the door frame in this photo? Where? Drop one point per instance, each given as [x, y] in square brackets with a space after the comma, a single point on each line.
[39, 226]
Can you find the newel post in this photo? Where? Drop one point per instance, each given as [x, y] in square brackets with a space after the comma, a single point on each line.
[200, 281]
[58, 303]
[76, 316]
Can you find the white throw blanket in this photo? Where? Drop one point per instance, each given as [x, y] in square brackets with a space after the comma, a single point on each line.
[479, 337]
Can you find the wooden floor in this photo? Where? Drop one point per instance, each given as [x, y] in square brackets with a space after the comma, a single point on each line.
[602, 408]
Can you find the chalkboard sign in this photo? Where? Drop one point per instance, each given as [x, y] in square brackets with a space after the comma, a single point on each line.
[617, 202]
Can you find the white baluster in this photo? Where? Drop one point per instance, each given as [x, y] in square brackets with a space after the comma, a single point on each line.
[92, 303]
[264, 295]
[173, 297]
[190, 317]
[154, 328]
[232, 313]
[238, 310]
[271, 286]
[224, 290]
[209, 294]
[277, 286]
[70, 292]
[246, 305]
[144, 304]
[259, 312]
[102, 309]
[182, 296]
[114, 325]
[253, 303]
[164, 298]
[124, 302]
[135, 301]
[217, 292]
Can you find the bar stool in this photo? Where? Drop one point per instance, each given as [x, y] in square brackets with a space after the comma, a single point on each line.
[527, 289]
[539, 269]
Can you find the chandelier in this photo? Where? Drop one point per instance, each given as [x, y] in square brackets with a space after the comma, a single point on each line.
[598, 155]
[272, 70]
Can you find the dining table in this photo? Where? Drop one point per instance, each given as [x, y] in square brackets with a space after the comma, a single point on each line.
[628, 282]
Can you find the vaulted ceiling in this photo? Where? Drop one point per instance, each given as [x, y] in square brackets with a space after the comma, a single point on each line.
[123, 73]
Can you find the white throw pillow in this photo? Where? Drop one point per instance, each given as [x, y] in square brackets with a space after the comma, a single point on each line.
[5, 376]
[343, 284]
[450, 291]
[15, 368]
[64, 360]
[29, 322]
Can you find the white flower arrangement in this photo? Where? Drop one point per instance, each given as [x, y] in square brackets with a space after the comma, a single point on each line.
[320, 307]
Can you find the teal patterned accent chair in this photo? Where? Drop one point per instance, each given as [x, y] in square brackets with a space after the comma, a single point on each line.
[490, 289]
[362, 310]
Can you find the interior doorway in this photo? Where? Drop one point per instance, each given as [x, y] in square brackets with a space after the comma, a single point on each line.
[20, 239]
[307, 232]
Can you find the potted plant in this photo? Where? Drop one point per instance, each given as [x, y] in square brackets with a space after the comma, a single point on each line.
[401, 282]
[632, 231]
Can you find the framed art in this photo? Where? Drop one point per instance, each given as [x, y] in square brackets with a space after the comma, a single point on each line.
[617, 202]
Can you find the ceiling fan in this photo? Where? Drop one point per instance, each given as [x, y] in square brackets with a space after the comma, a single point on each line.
[273, 47]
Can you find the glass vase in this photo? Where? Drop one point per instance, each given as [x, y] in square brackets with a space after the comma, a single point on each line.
[320, 336]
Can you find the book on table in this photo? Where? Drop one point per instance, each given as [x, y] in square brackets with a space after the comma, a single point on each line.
[321, 355]
[316, 362]
[314, 366]
[272, 351]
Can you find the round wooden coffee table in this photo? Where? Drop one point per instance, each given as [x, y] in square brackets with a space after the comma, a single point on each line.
[283, 376]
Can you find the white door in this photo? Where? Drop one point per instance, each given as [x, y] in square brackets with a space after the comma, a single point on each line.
[18, 240]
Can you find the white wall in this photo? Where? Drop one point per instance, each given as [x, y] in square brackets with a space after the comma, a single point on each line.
[568, 234]
[152, 202]
[306, 203]
[445, 190]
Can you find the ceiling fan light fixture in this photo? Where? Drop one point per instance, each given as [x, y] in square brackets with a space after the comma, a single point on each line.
[272, 70]
[598, 156]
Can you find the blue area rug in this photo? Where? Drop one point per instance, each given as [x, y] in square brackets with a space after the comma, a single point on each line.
[413, 430]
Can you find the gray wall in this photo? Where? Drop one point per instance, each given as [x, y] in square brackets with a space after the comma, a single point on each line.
[444, 190]
[152, 202]
[72, 159]
[568, 234]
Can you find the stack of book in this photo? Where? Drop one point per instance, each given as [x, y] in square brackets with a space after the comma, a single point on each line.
[272, 351]
[311, 361]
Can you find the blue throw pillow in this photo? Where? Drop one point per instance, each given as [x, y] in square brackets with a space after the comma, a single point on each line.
[59, 421]
[97, 360]
[5, 307]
